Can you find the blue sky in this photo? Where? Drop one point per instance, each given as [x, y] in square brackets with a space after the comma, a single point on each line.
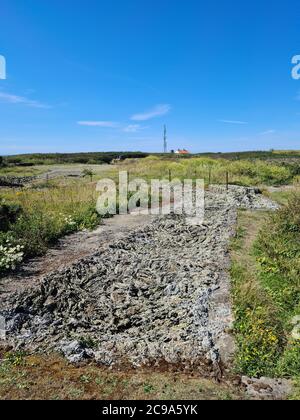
[99, 75]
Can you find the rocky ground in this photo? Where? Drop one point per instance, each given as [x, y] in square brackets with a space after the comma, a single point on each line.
[160, 294]
[72, 171]
[59, 171]
[16, 181]
[69, 250]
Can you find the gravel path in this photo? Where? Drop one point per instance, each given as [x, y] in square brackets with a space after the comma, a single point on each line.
[71, 171]
[159, 294]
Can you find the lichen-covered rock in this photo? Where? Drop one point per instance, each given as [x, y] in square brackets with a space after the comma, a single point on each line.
[267, 388]
[161, 294]
[75, 351]
[15, 181]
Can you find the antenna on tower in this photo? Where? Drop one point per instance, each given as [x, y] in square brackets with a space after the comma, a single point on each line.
[165, 140]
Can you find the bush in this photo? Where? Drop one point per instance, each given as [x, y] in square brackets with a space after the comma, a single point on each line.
[11, 253]
[46, 216]
[38, 230]
[289, 363]
[8, 214]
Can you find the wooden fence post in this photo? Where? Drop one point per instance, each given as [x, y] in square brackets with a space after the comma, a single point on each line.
[209, 175]
[227, 180]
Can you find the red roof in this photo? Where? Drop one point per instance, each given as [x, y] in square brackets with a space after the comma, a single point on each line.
[183, 152]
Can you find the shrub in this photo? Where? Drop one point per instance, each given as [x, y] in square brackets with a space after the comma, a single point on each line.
[289, 363]
[11, 253]
[8, 214]
[48, 215]
[88, 172]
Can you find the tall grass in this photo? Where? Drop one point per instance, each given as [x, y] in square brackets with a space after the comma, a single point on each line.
[241, 172]
[278, 253]
[267, 298]
[47, 214]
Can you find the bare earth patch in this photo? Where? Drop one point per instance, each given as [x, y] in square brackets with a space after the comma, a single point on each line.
[52, 377]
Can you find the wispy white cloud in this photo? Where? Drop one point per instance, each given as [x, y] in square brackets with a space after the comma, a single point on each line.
[22, 100]
[133, 128]
[265, 133]
[233, 122]
[157, 111]
[104, 124]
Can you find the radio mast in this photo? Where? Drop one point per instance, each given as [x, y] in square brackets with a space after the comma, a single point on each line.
[165, 140]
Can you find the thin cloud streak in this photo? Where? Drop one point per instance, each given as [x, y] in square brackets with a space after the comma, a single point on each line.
[133, 128]
[233, 122]
[22, 100]
[265, 133]
[103, 124]
[157, 111]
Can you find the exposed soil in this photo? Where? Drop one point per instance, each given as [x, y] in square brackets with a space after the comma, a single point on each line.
[51, 377]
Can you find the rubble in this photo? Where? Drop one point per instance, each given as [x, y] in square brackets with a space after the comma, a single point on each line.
[161, 294]
[267, 388]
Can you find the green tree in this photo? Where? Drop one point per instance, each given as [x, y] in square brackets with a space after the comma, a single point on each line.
[88, 172]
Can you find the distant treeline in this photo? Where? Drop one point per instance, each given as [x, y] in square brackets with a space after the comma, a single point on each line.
[65, 158]
[108, 157]
[249, 155]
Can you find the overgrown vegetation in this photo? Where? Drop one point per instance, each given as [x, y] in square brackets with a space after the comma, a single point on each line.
[266, 288]
[68, 158]
[108, 157]
[32, 219]
[36, 217]
[245, 168]
[241, 172]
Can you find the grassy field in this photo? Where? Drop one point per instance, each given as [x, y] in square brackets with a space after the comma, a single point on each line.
[107, 157]
[241, 172]
[244, 167]
[266, 291]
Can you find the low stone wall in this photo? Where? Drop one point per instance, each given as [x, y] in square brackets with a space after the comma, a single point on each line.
[15, 181]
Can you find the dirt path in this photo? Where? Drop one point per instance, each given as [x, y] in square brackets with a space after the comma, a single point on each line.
[282, 188]
[71, 171]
